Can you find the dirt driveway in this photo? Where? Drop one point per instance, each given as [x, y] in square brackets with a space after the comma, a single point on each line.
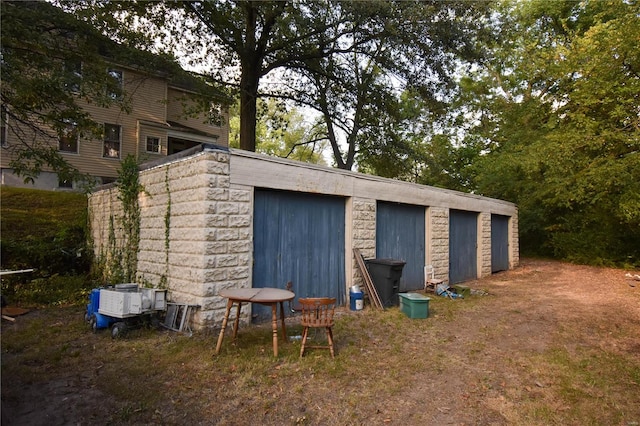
[551, 343]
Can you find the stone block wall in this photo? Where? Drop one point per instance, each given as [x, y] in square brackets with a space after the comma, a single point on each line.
[514, 241]
[484, 235]
[364, 233]
[197, 222]
[438, 240]
[194, 231]
[105, 211]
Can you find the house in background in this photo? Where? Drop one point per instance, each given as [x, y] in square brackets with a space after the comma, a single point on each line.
[168, 110]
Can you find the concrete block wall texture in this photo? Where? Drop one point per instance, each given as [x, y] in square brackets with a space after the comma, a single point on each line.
[196, 232]
[514, 241]
[438, 241]
[484, 235]
[363, 224]
[105, 212]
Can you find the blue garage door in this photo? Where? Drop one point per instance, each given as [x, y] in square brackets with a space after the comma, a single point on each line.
[499, 243]
[298, 237]
[463, 246]
[400, 235]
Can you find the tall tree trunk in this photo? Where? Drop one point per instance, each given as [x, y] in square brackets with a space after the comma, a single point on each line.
[252, 53]
[251, 65]
[248, 107]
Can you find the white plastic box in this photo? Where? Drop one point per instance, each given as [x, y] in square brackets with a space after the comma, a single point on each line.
[123, 304]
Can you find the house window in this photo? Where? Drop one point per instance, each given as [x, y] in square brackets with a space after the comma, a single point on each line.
[65, 183]
[153, 144]
[111, 141]
[68, 138]
[114, 84]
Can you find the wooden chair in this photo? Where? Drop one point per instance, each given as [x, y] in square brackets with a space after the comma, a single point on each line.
[317, 312]
[430, 280]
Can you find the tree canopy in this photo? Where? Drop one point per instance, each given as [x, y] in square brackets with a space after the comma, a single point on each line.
[557, 105]
[347, 60]
[281, 131]
[534, 102]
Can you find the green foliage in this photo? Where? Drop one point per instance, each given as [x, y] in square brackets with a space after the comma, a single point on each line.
[42, 52]
[346, 60]
[415, 147]
[391, 52]
[55, 290]
[281, 131]
[44, 230]
[559, 107]
[118, 263]
[167, 232]
[129, 189]
[111, 266]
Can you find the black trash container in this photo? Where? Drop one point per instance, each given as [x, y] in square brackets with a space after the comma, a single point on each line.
[386, 274]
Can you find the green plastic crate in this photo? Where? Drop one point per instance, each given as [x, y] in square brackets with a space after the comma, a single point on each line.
[462, 289]
[414, 305]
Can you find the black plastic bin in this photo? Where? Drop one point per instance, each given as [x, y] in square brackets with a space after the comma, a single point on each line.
[386, 274]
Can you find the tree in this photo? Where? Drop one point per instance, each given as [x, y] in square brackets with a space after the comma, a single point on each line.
[281, 131]
[419, 145]
[53, 66]
[399, 47]
[42, 49]
[342, 58]
[557, 107]
[240, 42]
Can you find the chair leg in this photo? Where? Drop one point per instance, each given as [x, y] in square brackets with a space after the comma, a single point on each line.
[330, 340]
[305, 332]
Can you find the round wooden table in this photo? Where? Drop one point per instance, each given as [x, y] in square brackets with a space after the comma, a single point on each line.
[264, 296]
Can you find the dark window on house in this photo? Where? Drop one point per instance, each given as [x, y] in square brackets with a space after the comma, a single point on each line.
[111, 141]
[105, 180]
[65, 183]
[114, 84]
[153, 144]
[68, 138]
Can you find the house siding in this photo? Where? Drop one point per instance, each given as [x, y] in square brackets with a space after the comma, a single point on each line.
[175, 106]
[208, 200]
[151, 103]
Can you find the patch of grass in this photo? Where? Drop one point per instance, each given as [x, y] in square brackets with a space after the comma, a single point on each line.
[388, 369]
[54, 290]
[45, 231]
[573, 381]
[32, 213]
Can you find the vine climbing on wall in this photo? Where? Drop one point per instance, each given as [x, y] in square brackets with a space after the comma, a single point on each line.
[167, 232]
[122, 257]
[129, 188]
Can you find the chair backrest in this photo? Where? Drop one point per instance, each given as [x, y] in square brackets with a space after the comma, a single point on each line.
[429, 272]
[317, 311]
